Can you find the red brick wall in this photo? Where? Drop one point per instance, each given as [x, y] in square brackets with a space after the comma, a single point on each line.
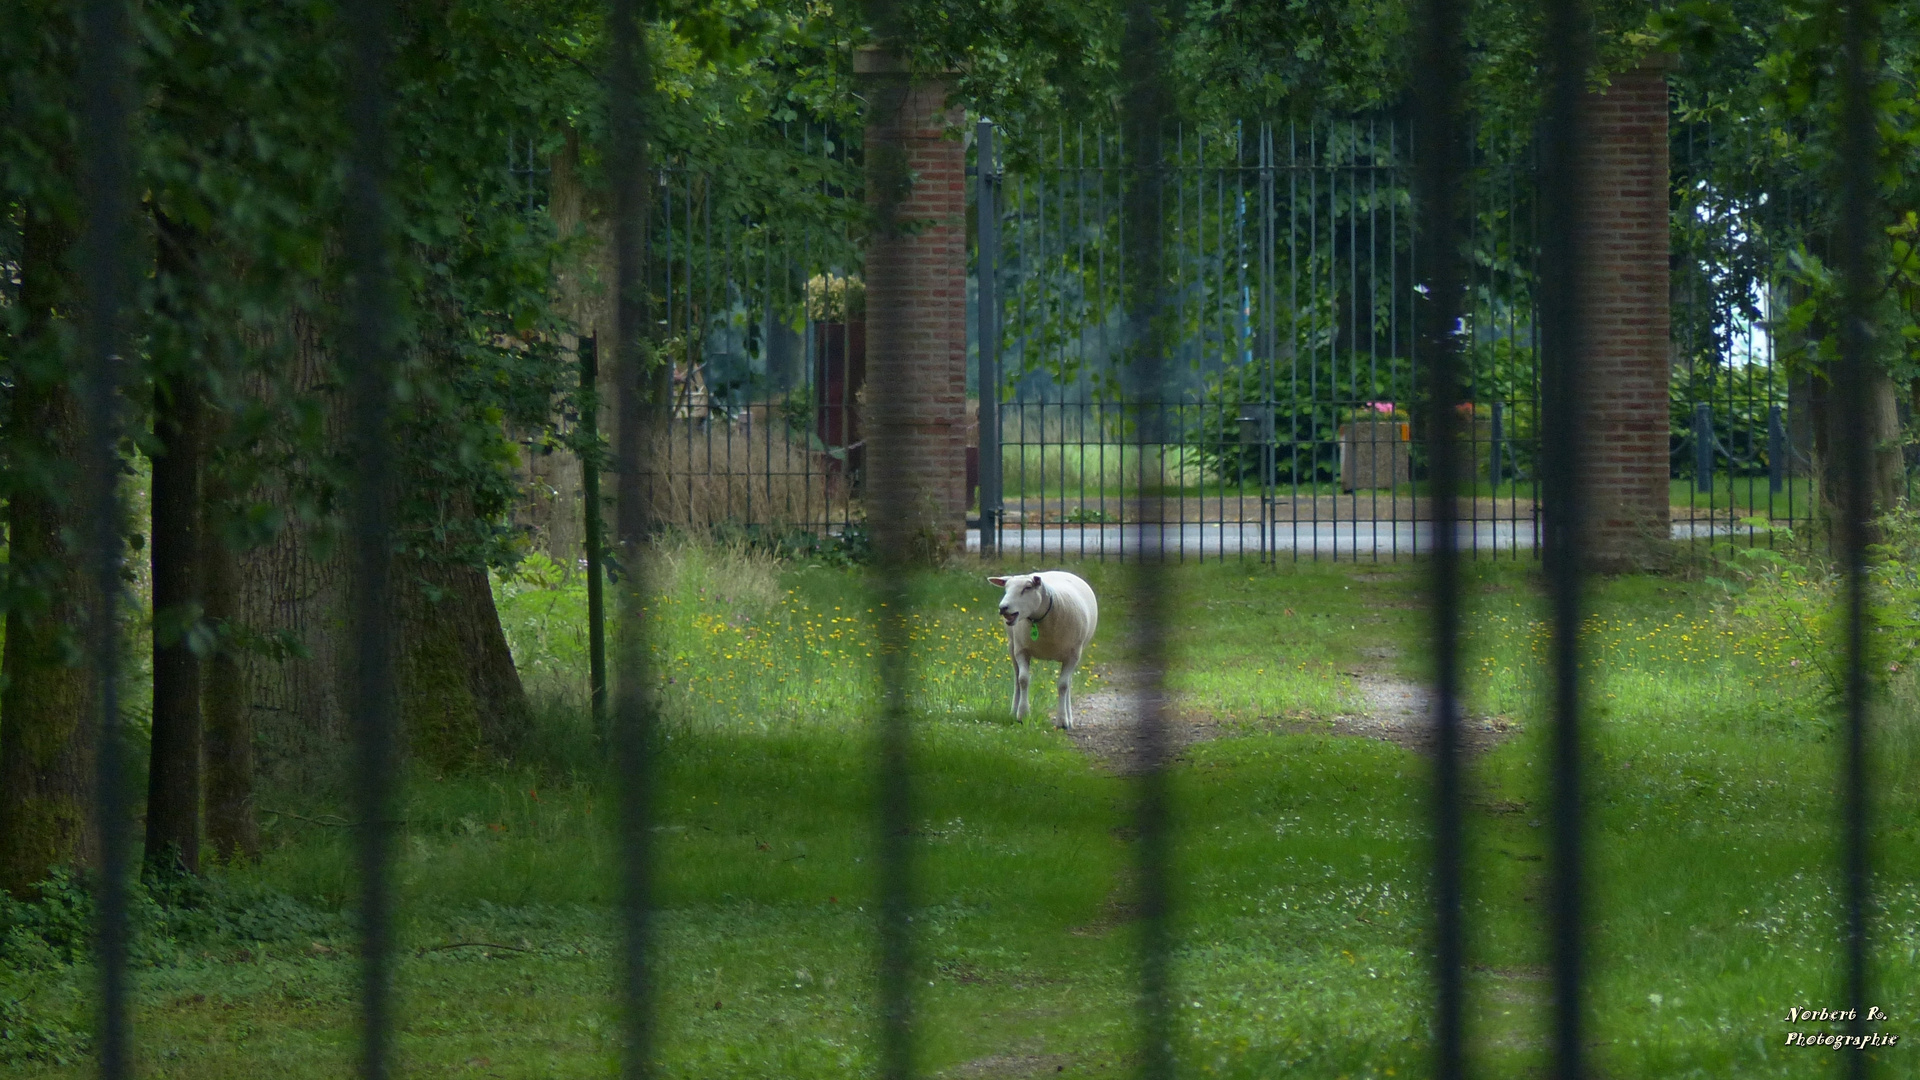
[916, 279]
[1627, 322]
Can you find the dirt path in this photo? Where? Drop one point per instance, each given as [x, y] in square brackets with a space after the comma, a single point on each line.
[1395, 711]
[1104, 728]
[1401, 713]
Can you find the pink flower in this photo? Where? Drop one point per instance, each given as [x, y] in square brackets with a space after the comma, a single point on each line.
[1380, 406]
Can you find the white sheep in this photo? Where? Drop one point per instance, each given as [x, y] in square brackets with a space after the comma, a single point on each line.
[1050, 614]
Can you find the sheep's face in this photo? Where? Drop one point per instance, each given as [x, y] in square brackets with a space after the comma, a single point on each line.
[1024, 596]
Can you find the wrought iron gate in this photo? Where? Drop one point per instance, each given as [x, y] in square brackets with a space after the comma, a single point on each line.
[1293, 419]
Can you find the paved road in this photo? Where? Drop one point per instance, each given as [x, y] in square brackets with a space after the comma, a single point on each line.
[1329, 539]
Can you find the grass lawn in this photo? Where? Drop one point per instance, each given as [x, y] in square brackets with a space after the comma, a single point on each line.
[1302, 857]
[1750, 496]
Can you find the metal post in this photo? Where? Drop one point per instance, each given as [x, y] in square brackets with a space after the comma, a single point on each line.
[1269, 525]
[369, 355]
[590, 493]
[105, 269]
[1860, 285]
[1564, 208]
[892, 489]
[987, 267]
[1703, 447]
[1776, 451]
[1145, 109]
[1438, 205]
[632, 746]
[1495, 468]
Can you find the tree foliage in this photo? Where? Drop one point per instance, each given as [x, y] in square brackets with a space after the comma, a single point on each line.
[1770, 69]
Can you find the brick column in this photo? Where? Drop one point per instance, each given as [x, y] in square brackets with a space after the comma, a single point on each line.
[916, 278]
[1627, 323]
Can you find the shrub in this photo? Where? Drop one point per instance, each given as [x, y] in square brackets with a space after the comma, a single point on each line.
[1790, 590]
[29, 1034]
[1304, 430]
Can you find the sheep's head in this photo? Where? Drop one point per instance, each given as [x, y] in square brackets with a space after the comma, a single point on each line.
[1024, 596]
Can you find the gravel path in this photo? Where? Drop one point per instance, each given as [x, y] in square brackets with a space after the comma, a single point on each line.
[1395, 711]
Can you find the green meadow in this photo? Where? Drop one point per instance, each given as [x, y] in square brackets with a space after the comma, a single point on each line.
[1302, 857]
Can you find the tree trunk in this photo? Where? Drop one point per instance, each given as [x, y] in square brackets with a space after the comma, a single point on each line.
[48, 738]
[1886, 465]
[174, 774]
[232, 831]
[461, 700]
[1889, 464]
[290, 596]
[550, 505]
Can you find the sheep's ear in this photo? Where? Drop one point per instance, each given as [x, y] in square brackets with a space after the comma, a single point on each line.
[997, 582]
[1035, 583]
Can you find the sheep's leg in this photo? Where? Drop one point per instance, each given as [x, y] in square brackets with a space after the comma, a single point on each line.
[1066, 691]
[1022, 673]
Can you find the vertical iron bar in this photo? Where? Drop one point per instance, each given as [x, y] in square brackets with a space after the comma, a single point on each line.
[1563, 190]
[1268, 524]
[1776, 446]
[369, 380]
[1495, 468]
[1045, 260]
[987, 268]
[628, 83]
[1703, 442]
[106, 268]
[1293, 358]
[1858, 158]
[590, 492]
[1438, 173]
[1104, 211]
[1143, 123]
[892, 438]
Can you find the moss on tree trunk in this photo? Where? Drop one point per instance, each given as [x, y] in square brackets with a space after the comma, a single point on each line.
[461, 699]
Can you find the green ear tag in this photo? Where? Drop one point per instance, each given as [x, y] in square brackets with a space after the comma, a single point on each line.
[1033, 631]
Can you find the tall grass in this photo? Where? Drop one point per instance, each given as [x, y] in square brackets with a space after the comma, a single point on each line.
[704, 473]
[1094, 471]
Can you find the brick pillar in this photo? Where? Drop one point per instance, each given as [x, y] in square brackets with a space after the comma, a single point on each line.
[1627, 323]
[916, 278]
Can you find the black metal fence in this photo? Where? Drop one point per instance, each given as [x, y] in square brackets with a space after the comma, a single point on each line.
[1294, 413]
[1296, 419]
[1202, 198]
[1742, 429]
[1293, 416]
[760, 330]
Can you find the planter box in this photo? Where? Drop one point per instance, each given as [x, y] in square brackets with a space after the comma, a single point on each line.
[1373, 454]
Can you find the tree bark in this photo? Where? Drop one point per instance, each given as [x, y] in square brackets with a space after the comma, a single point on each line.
[174, 773]
[232, 830]
[1886, 467]
[290, 597]
[461, 700]
[1889, 480]
[460, 697]
[48, 739]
